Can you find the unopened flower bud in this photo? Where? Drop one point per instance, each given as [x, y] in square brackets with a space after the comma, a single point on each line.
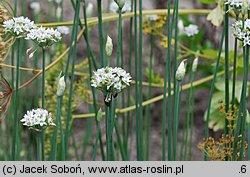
[35, 6]
[109, 46]
[120, 3]
[195, 64]
[58, 12]
[61, 86]
[99, 115]
[89, 10]
[180, 73]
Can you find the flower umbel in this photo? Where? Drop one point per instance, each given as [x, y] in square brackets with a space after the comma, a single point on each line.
[110, 81]
[241, 33]
[44, 37]
[37, 119]
[18, 26]
[191, 30]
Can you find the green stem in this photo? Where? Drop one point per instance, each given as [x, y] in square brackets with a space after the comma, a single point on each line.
[176, 120]
[119, 50]
[119, 139]
[90, 72]
[167, 80]
[96, 141]
[226, 130]
[140, 109]
[16, 120]
[67, 131]
[234, 68]
[147, 122]
[43, 99]
[109, 133]
[100, 30]
[191, 119]
[212, 90]
[38, 150]
[54, 139]
[63, 155]
[88, 134]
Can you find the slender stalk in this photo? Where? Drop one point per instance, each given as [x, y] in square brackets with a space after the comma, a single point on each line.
[88, 134]
[226, 130]
[147, 116]
[212, 90]
[244, 106]
[248, 141]
[63, 155]
[176, 120]
[234, 68]
[15, 128]
[119, 139]
[38, 150]
[54, 139]
[69, 106]
[100, 30]
[140, 73]
[90, 72]
[191, 119]
[129, 118]
[109, 133]
[119, 50]
[43, 99]
[136, 83]
[167, 80]
[74, 144]
[96, 141]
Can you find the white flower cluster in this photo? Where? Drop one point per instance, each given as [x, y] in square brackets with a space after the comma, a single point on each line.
[18, 26]
[113, 7]
[37, 119]
[111, 80]
[238, 4]
[235, 3]
[241, 33]
[44, 37]
[191, 30]
[63, 29]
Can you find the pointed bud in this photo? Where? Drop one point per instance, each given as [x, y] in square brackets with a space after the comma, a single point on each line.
[61, 85]
[99, 115]
[195, 64]
[31, 55]
[109, 46]
[89, 9]
[58, 12]
[120, 3]
[28, 50]
[180, 73]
